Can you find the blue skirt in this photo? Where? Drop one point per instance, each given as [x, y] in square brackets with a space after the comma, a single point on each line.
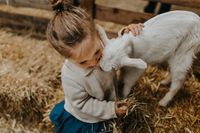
[64, 122]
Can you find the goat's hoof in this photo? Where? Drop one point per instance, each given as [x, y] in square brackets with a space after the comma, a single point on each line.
[162, 103]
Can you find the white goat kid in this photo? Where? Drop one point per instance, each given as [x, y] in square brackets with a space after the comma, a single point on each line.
[173, 37]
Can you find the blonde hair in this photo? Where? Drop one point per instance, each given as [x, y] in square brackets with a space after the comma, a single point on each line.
[69, 26]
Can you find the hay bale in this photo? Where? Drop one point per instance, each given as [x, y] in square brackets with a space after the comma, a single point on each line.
[9, 125]
[29, 77]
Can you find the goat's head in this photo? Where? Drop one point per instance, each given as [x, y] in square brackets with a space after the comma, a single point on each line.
[116, 52]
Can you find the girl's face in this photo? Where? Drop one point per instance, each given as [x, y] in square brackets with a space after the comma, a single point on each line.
[92, 55]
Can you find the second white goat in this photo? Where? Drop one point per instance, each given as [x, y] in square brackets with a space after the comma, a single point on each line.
[173, 37]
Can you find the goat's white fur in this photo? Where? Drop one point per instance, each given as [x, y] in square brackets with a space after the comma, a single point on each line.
[173, 37]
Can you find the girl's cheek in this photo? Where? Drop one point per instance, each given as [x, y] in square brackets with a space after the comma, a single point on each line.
[84, 66]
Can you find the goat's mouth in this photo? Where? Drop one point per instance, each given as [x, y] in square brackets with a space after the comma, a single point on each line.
[105, 68]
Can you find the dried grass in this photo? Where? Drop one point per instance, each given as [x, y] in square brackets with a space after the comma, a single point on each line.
[9, 125]
[29, 78]
[181, 116]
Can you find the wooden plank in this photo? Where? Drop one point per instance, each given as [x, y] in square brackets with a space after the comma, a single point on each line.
[19, 21]
[120, 16]
[89, 6]
[40, 4]
[25, 20]
[188, 3]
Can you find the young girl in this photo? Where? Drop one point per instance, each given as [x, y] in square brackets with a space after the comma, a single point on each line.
[89, 100]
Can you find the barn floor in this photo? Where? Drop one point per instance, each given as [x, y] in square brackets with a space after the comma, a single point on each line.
[30, 87]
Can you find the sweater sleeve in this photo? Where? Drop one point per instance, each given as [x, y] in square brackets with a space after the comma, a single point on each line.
[84, 103]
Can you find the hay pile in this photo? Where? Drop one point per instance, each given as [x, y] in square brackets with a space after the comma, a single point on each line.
[181, 116]
[9, 125]
[29, 78]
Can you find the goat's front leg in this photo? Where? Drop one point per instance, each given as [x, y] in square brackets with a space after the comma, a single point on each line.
[178, 74]
[175, 87]
[130, 77]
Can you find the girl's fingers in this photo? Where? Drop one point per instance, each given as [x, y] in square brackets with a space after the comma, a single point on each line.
[142, 25]
[133, 31]
[120, 103]
[139, 28]
[134, 28]
[126, 30]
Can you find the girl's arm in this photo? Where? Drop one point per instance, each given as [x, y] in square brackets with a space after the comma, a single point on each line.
[82, 102]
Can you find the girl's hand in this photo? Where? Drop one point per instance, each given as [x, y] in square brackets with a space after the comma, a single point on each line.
[120, 108]
[135, 29]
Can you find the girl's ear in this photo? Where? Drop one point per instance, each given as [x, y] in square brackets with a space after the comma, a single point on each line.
[134, 62]
[102, 34]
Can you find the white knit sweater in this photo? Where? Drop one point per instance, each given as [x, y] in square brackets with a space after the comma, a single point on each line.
[87, 96]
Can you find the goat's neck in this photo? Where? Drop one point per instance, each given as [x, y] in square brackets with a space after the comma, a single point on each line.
[131, 44]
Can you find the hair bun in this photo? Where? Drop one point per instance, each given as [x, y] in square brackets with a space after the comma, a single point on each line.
[60, 5]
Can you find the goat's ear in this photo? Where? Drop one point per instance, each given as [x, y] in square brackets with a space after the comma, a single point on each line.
[134, 62]
[102, 34]
[127, 38]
